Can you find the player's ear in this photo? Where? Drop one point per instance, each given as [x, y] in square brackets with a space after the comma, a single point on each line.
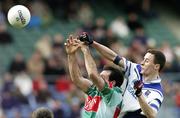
[113, 82]
[157, 66]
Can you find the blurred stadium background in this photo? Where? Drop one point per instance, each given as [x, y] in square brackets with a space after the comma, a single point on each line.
[33, 63]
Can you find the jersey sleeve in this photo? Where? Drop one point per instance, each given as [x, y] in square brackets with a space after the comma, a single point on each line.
[131, 68]
[155, 104]
[154, 93]
[111, 96]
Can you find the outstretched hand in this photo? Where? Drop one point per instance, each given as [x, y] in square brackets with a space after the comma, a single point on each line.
[85, 37]
[72, 45]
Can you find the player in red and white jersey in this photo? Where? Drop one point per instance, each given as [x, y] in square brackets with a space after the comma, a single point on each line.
[103, 101]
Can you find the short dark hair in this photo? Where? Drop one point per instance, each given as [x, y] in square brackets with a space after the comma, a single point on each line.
[159, 57]
[116, 74]
[42, 112]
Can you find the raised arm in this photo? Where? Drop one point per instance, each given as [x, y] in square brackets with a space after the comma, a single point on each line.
[92, 69]
[103, 50]
[108, 53]
[74, 69]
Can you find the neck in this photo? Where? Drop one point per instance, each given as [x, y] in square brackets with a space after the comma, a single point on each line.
[150, 77]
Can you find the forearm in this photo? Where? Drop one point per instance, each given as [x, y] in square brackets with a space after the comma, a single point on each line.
[147, 110]
[92, 69]
[104, 51]
[74, 68]
[89, 62]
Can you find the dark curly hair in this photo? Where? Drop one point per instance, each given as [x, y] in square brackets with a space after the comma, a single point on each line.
[42, 113]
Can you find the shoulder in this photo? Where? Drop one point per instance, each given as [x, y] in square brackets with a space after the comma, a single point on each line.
[128, 64]
[117, 89]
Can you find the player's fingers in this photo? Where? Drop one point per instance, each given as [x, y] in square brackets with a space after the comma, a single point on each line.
[77, 37]
[74, 43]
[70, 36]
[68, 42]
[71, 41]
[76, 40]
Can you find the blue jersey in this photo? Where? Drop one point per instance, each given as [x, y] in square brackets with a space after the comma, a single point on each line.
[152, 91]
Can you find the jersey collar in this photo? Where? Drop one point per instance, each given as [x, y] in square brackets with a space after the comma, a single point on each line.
[157, 80]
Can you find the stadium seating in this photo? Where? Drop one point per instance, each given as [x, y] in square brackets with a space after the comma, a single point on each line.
[25, 39]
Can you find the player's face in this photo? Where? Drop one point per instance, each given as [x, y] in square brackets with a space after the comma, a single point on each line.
[105, 75]
[148, 66]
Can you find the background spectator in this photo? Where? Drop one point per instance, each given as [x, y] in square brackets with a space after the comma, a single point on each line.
[33, 66]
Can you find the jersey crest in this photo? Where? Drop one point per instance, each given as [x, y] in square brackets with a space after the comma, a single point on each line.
[92, 103]
[147, 93]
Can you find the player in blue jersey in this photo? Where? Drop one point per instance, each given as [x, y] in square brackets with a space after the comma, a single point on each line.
[143, 94]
